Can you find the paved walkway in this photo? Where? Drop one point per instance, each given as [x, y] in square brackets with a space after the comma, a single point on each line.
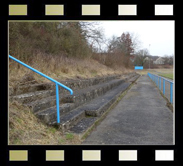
[140, 118]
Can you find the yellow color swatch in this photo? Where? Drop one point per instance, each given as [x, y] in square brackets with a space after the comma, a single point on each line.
[127, 155]
[91, 155]
[18, 155]
[55, 155]
[127, 9]
[90, 9]
[17, 9]
[54, 10]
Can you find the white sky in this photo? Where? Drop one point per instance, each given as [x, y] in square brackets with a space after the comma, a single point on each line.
[159, 34]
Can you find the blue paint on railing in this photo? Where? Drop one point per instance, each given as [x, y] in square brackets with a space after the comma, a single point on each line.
[138, 67]
[57, 104]
[49, 78]
[164, 87]
[157, 80]
[171, 92]
[160, 83]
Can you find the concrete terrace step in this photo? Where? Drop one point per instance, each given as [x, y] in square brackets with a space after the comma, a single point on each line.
[73, 84]
[31, 88]
[99, 105]
[70, 119]
[83, 126]
[81, 96]
[32, 96]
[75, 120]
[87, 94]
[50, 114]
[132, 79]
[92, 97]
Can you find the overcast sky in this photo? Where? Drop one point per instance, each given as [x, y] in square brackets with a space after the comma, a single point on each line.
[158, 34]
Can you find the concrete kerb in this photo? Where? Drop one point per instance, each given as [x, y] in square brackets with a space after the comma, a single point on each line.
[102, 117]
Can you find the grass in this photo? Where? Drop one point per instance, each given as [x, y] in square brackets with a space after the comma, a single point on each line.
[59, 68]
[167, 75]
[26, 129]
[69, 136]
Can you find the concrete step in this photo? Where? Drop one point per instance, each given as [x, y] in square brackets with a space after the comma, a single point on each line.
[75, 120]
[70, 119]
[99, 105]
[50, 114]
[83, 126]
[87, 94]
[132, 79]
[73, 84]
[42, 104]
[37, 95]
[81, 97]
[32, 88]
[32, 96]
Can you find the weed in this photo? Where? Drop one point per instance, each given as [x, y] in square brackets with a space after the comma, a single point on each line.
[19, 120]
[61, 141]
[16, 141]
[52, 130]
[69, 136]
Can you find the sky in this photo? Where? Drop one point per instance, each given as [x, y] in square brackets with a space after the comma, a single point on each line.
[156, 36]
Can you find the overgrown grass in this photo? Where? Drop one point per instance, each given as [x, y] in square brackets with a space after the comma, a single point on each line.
[26, 129]
[59, 68]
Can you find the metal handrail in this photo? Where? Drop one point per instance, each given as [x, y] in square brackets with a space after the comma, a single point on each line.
[49, 78]
[157, 80]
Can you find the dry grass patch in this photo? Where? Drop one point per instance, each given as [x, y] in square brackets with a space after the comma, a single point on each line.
[26, 129]
[59, 68]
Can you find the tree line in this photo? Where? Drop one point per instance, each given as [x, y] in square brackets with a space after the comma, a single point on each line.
[73, 39]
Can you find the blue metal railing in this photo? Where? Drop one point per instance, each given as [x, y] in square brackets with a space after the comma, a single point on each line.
[49, 78]
[157, 80]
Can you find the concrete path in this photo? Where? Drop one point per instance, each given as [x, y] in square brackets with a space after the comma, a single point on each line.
[140, 118]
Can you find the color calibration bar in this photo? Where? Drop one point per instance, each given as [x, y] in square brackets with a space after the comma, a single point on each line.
[90, 10]
[91, 155]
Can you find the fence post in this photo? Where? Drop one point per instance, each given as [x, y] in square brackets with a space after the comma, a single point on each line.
[163, 86]
[160, 83]
[57, 103]
[171, 93]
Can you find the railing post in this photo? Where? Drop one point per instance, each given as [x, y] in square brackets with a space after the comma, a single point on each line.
[160, 83]
[57, 103]
[171, 93]
[156, 80]
[163, 86]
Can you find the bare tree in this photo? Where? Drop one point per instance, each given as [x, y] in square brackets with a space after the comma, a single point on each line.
[93, 33]
[141, 57]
